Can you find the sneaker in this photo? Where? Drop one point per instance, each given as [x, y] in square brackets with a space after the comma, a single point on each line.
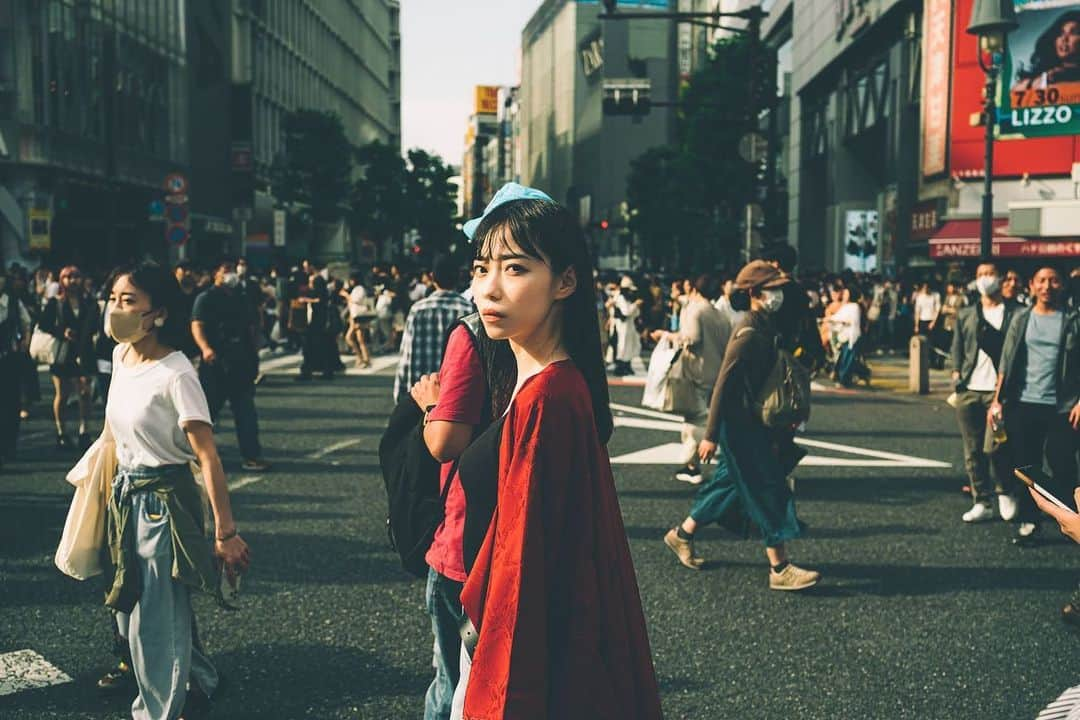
[688, 474]
[683, 549]
[119, 679]
[1071, 613]
[1027, 535]
[793, 577]
[979, 512]
[1007, 507]
[256, 465]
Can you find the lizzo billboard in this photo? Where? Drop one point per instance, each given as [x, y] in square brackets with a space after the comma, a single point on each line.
[1040, 88]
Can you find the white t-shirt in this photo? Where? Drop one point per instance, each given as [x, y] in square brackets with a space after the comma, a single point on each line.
[927, 306]
[984, 376]
[357, 306]
[847, 323]
[148, 405]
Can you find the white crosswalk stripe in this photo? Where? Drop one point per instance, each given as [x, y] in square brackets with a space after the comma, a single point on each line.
[26, 670]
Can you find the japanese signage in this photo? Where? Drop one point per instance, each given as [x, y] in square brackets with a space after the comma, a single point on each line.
[591, 50]
[487, 100]
[937, 70]
[686, 42]
[40, 229]
[1042, 67]
[1011, 248]
[925, 219]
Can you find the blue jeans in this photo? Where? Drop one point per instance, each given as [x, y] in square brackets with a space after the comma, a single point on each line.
[443, 598]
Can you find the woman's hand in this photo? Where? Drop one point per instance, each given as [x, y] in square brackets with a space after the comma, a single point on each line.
[426, 391]
[706, 450]
[657, 335]
[234, 555]
[1068, 521]
[1074, 417]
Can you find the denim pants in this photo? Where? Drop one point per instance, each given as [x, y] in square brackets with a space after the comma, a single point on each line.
[160, 629]
[240, 392]
[443, 598]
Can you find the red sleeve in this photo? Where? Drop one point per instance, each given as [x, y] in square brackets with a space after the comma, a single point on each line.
[509, 676]
[461, 381]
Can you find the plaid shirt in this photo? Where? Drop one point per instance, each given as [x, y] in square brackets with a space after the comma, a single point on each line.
[425, 331]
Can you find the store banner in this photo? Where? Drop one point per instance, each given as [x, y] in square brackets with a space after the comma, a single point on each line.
[861, 240]
[1042, 66]
[937, 71]
[40, 229]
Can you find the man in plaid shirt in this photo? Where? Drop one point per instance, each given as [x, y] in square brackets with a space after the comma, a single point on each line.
[426, 327]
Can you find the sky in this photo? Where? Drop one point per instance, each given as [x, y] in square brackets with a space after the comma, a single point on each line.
[448, 47]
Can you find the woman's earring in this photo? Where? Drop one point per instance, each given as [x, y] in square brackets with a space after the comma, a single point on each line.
[159, 322]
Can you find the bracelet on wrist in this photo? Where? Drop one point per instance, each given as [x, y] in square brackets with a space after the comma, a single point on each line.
[226, 536]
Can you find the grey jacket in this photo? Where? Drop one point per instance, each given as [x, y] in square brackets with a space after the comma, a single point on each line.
[1013, 366]
[965, 341]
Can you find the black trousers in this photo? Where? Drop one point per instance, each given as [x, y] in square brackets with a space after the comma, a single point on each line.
[1038, 433]
[10, 400]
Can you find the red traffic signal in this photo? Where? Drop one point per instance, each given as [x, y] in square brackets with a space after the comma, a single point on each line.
[603, 224]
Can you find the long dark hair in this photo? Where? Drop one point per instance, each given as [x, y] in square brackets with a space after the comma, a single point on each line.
[160, 284]
[544, 229]
[1045, 57]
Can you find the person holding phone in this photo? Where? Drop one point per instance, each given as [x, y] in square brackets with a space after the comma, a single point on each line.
[1069, 523]
[1038, 392]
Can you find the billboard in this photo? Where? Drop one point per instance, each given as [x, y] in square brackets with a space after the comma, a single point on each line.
[1040, 89]
[937, 60]
[860, 240]
[1038, 150]
[487, 100]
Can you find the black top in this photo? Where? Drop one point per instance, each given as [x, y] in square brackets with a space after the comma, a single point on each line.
[59, 316]
[478, 473]
[225, 317]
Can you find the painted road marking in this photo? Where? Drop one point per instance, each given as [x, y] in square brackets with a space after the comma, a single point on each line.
[246, 480]
[27, 670]
[674, 454]
[290, 365]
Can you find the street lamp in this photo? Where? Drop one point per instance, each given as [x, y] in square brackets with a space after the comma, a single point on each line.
[991, 21]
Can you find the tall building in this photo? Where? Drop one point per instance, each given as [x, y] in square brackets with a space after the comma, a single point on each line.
[93, 117]
[102, 100]
[340, 56]
[569, 148]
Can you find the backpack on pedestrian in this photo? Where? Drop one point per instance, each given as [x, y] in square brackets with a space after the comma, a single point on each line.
[412, 477]
[784, 398]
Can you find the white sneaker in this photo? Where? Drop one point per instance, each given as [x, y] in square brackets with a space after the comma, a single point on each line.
[687, 475]
[979, 513]
[1026, 530]
[1007, 507]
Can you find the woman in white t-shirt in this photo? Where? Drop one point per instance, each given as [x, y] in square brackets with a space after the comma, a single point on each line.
[158, 417]
[846, 324]
[359, 315]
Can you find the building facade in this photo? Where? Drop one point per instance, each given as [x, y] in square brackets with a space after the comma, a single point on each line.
[102, 100]
[569, 148]
[93, 101]
[338, 56]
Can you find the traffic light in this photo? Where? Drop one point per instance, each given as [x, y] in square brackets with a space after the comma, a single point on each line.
[629, 96]
[611, 5]
[603, 224]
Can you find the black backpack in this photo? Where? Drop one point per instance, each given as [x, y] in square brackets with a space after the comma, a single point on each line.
[411, 476]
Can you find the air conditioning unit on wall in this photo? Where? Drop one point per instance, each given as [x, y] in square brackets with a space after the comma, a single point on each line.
[1044, 218]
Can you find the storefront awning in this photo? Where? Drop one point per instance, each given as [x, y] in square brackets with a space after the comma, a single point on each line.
[959, 239]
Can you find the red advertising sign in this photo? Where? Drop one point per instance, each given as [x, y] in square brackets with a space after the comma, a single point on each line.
[937, 63]
[1014, 154]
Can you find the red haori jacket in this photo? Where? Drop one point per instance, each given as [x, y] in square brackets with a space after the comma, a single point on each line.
[553, 591]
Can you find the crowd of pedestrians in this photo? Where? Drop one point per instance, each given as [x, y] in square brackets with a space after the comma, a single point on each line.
[510, 378]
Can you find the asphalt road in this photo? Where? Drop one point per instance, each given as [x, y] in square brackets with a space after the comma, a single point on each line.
[918, 616]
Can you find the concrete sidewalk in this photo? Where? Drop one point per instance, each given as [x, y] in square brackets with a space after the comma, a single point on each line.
[889, 373]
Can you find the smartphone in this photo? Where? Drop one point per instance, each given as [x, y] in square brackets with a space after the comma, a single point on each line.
[230, 589]
[1030, 475]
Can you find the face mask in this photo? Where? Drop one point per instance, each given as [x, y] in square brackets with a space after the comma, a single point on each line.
[772, 300]
[988, 284]
[126, 326]
[230, 279]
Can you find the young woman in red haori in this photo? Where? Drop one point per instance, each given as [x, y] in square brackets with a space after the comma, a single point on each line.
[551, 587]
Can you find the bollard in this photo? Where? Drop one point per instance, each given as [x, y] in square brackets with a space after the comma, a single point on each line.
[919, 365]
